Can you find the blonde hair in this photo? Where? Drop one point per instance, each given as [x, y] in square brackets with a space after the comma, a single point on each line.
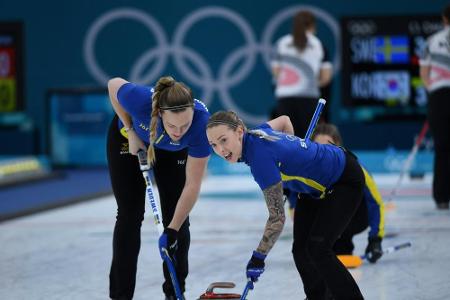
[232, 121]
[170, 95]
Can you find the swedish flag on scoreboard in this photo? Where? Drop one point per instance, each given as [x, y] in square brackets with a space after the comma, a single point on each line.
[391, 49]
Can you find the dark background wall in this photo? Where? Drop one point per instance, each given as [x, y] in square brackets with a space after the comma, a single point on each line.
[219, 48]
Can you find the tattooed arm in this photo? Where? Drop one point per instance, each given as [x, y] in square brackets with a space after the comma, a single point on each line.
[275, 223]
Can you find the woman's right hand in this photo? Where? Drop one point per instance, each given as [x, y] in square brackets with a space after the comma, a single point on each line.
[135, 143]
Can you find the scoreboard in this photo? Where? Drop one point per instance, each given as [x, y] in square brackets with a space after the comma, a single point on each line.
[11, 67]
[380, 63]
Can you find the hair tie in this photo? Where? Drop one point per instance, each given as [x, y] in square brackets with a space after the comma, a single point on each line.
[176, 106]
[220, 122]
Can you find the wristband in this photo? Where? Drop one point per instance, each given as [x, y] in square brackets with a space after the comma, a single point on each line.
[127, 129]
[259, 255]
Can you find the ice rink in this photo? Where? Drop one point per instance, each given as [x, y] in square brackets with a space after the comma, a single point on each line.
[65, 253]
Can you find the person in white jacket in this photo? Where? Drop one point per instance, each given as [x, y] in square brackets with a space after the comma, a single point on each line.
[300, 68]
[435, 74]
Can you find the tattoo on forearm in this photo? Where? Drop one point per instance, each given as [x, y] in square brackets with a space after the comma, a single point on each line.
[275, 223]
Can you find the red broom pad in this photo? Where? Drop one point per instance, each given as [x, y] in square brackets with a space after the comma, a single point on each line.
[209, 294]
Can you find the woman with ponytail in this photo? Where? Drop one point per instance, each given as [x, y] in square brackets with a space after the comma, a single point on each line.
[331, 184]
[168, 123]
[300, 68]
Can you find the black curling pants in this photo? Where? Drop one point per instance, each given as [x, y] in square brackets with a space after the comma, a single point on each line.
[358, 223]
[317, 225]
[439, 121]
[129, 190]
[300, 110]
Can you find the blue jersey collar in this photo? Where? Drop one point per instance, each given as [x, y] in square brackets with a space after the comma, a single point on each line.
[243, 157]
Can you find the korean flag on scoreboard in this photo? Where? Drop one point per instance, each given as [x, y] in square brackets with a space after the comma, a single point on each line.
[391, 85]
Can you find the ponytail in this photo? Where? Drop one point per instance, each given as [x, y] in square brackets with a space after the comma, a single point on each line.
[263, 135]
[303, 21]
[153, 124]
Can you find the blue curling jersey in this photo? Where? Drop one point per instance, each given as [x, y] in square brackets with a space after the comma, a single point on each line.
[136, 100]
[303, 166]
[375, 206]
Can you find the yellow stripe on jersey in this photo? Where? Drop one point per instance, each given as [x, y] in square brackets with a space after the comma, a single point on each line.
[370, 183]
[123, 132]
[160, 138]
[308, 182]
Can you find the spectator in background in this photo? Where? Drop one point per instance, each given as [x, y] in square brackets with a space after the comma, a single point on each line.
[300, 69]
[370, 212]
[435, 74]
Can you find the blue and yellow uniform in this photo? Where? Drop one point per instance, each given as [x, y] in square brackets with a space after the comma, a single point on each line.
[303, 166]
[128, 185]
[372, 210]
[135, 99]
[331, 183]
[375, 206]
[370, 214]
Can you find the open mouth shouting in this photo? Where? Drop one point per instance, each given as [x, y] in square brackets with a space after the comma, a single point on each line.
[228, 156]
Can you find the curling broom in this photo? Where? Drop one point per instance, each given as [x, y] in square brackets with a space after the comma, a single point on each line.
[354, 261]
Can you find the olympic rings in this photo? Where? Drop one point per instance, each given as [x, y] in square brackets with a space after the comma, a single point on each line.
[206, 80]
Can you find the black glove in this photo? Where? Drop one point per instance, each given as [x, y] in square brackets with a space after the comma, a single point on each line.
[373, 249]
[168, 241]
